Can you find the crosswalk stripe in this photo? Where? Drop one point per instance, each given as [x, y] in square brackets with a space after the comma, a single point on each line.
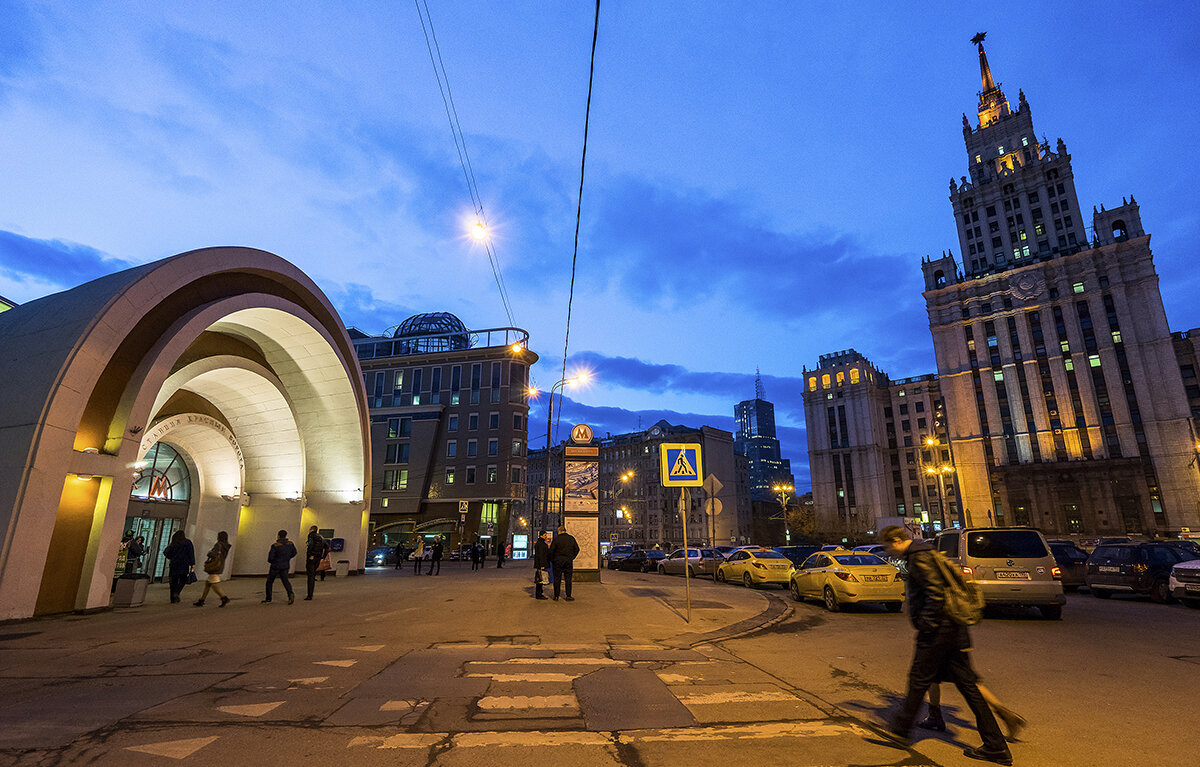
[498, 702]
[532, 677]
[720, 698]
[556, 661]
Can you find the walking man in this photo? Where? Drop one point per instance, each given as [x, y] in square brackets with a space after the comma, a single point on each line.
[435, 559]
[399, 552]
[316, 550]
[941, 649]
[541, 560]
[279, 557]
[563, 551]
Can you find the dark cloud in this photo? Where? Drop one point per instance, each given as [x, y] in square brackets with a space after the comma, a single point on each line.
[359, 308]
[54, 261]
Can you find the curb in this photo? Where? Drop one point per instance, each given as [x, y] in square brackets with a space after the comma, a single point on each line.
[777, 610]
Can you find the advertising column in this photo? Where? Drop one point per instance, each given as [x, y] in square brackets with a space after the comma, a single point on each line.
[581, 501]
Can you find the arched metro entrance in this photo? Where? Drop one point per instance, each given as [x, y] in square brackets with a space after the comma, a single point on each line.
[224, 371]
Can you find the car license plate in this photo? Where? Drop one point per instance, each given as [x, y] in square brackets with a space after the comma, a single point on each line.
[1011, 575]
[1107, 569]
[1190, 587]
[876, 578]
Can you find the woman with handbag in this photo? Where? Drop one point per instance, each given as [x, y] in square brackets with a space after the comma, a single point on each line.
[214, 565]
[541, 561]
[182, 569]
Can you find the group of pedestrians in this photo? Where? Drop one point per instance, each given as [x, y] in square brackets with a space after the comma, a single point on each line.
[554, 559]
[436, 550]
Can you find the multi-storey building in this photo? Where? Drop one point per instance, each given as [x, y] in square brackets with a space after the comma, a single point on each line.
[449, 424]
[755, 439]
[5, 304]
[1066, 399]
[877, 448]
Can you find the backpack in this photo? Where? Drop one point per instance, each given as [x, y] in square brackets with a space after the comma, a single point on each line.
[963, 598]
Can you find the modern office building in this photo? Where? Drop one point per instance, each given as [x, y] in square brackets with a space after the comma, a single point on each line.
[214, 391]
[449, 425]
[877, 448]
[756, 440]
[1065, 389]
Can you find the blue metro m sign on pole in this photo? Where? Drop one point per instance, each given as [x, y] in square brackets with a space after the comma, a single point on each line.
[681, 465]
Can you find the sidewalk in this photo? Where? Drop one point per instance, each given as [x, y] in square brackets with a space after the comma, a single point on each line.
[396, 668]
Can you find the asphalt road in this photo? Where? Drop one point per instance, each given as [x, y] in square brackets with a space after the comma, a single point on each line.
[465, 668]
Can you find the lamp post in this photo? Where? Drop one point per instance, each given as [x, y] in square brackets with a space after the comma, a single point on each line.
[783, 491]
[940, 470]
[578, 377]
[622, 512]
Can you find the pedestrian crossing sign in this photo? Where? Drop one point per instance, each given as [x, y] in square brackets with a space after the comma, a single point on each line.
[681, 465]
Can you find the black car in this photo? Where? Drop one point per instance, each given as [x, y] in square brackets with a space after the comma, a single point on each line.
[797, 553]
[1134, 568]
[1072, 563]
[617, 553]
[381, 557]
[642, 561]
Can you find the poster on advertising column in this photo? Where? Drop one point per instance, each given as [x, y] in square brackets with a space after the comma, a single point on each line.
[583, 486]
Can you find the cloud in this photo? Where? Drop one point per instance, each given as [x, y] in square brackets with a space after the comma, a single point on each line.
[67, 264]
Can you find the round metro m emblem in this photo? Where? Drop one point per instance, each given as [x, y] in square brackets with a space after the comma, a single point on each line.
[581, 434]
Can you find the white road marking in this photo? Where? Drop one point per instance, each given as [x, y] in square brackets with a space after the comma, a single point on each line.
[367, 648]
[403, 705]
[526, 739]
[310, 680]
[674, 678]
[399, 740]
[252, 709]
[559, 661]
[500, 702]
[338, 663]
[174, 749]
[747, 732]
[533, 677]
[719, 698]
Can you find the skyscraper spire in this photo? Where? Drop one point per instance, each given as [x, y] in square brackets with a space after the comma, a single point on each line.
[992, 103]
[759, 391]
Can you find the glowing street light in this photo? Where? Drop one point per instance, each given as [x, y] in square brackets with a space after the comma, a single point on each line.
[478, 231]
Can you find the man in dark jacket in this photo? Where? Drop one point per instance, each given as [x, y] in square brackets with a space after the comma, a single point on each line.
[279, 557]
[541, 560]
[435, 559]
[315, 551]
[941, 652]
[563, 551]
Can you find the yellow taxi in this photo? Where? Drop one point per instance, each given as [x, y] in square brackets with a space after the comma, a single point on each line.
[844, 577]
[754, 567]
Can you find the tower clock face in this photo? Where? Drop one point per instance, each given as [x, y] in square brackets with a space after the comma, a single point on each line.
[581, 434]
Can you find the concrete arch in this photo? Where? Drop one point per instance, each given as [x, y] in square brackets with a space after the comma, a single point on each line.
[234, 335]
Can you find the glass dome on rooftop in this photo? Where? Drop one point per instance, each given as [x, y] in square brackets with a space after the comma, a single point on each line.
[433, 331]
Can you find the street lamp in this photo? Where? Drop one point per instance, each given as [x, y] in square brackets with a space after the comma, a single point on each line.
[784, 491]
[623, 513]
[580, 377]
[940, 472]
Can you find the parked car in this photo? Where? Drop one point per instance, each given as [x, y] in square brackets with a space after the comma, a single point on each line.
[616, 554]
[1134, 568]
[1012, 565]
[879, 550]
[1072, 563]
[381, 557]
[724, 551]
[641, 561]
[1185, 582]
[697, 562]
[797, 554]
[831, 547]
[754, 567]
[844, 577]
[1186, 545]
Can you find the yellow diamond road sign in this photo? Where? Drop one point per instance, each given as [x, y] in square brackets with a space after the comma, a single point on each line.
[681, 465]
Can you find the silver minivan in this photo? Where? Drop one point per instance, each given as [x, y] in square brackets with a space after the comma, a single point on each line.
[1013, 565]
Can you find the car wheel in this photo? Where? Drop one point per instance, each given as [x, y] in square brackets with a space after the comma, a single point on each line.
[792, 587]
[893, 607]
[831, 601]
[691, 573]
[1159, 592]
[1101, 593]
[747, 581]
[720, 576]
[1051, 612]
[662, 570]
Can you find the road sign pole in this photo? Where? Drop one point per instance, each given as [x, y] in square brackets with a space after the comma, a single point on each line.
[687, 566]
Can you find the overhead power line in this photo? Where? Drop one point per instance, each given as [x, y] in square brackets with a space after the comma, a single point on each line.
[460, 144]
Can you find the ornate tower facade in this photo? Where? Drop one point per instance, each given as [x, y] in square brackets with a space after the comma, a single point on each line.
[1065, 402]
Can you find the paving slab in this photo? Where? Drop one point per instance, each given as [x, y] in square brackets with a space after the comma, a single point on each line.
[621, 699]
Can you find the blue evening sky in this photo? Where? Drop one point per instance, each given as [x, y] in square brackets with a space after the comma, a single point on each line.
[763, 177]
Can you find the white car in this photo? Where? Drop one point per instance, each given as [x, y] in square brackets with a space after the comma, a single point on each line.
[1184, 584]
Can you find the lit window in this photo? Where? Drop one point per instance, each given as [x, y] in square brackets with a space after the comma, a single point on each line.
[1069, 364]
[825, 383]
[449, 476]
[812, 383]
[998, 375]
[1065, 345]
[978, 158]
[841, 378]
[1094, 360]
[383, 502]
[1116, 336]
[1024, 141]
[900, 393]
[853, 375]
[1023, 237]
[1000, 149]
[1077, 287]
[491, 474]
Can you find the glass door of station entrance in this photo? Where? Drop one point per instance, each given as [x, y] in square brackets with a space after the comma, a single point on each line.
[156, 532]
